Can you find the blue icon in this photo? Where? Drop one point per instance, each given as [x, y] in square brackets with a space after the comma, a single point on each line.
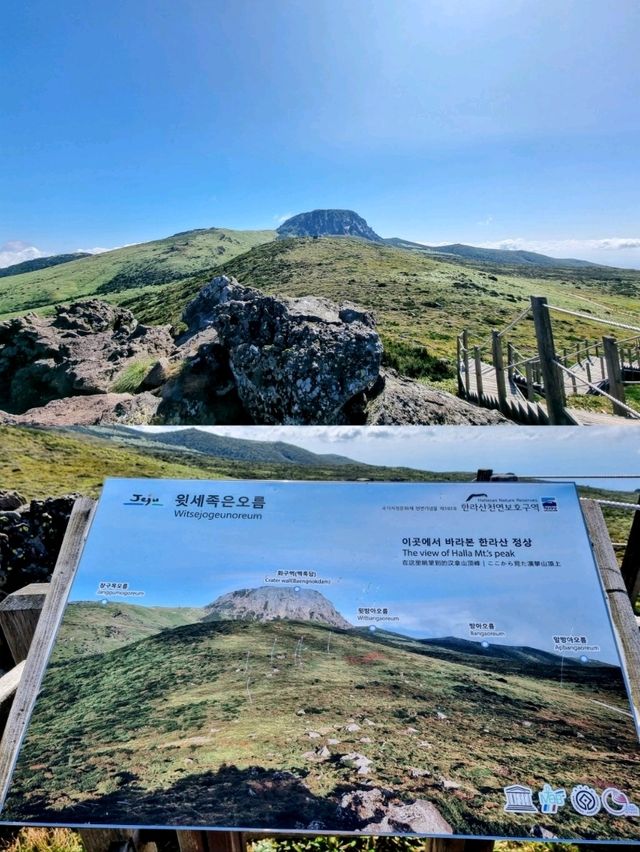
[550, 799]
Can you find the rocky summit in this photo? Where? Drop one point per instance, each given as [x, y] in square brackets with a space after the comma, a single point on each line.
[271, 604]
[328, 223]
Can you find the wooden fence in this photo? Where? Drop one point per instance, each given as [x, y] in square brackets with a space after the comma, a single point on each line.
[534, 388]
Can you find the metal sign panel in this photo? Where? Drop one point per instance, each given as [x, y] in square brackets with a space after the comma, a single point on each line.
[390, 658]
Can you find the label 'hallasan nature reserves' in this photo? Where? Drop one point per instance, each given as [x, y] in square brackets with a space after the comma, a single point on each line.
[384, 658]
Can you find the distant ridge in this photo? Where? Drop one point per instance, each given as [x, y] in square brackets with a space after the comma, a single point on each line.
[328, 223]
[220, 446]
[41, 263]
[509, 257]
[517, 653]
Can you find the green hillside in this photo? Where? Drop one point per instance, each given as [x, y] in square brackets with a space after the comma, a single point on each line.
[45, 462]
[41, 263]
[205, 724]
[90, 627]
[41, 463]
[234, 449]
[126, 269]
[421, 302]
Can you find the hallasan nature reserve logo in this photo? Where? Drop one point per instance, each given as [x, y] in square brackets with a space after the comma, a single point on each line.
[549, 504]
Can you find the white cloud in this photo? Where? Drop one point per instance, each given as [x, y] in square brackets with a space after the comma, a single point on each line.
[567, 247]
[283, 218]
[95, 250]
[17, 251]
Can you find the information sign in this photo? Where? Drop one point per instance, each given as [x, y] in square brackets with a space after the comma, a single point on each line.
[335, 657]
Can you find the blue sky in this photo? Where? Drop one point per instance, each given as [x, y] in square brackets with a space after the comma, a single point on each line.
[482, 121]
[342, 532]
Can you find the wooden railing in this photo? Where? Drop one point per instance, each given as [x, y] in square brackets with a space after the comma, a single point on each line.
[496, 374]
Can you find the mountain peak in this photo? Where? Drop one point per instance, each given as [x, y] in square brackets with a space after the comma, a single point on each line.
[328, 223]
[268, 603]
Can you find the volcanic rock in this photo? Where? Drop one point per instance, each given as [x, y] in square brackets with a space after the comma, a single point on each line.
[377, 811]
[399, 401]
[83, 349]
[10, 500]
[320, 223]
[294, 361]
[30, 539]
[93, 410]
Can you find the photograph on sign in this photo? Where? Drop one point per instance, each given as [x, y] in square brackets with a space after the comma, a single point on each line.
[332, 657]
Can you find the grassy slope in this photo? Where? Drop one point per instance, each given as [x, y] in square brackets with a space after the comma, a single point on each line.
[92, 627]
[418, 300]
[203, 737]
[128, 269]
[40, 463]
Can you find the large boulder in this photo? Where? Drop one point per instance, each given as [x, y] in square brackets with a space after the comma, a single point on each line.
[374, 810]
[294, 361]
[83, 349]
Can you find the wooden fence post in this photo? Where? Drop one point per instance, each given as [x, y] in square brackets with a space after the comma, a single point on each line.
[465, 358]
[19, 614]
[617, 595]
[478, 363]
[54, 602]
[553, 382]
[630, 568]
[614, 372]
[531, 393]
[498, 363]
[511, 356]
[459, 365]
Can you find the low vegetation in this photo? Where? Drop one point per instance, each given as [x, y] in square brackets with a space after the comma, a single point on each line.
[225, 731]
[126, 270]
[421, 301]
[130, 379]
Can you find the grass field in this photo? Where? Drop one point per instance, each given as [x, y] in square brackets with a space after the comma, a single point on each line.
[202, 724]
[47, 462]
[127, 269]
[421, 302]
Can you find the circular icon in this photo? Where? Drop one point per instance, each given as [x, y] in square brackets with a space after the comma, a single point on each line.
[585, 800]
[615, 801]
[372, 628]
[485, 644]
[584, 659]
[297, 589]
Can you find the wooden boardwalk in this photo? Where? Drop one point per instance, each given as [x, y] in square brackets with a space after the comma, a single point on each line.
[601, 418]
[588, 370]
[581, 416]
[490, 383]
[539, 388]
